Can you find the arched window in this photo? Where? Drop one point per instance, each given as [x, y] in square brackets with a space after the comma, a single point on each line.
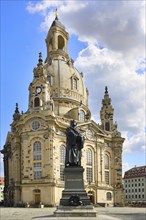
[74, 83]
[37, 151]
[89, 173]
[60, 42]
[109, 196]
[82, 116]
[107, 126]
[37, 155]
[88, 157]
[36, 102]
[62, 161]
[106, 161]
[37, 171]
[106, 168]
[62, 154]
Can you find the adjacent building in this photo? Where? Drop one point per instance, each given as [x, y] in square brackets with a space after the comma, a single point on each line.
[34, 151]
[1, 189]
[135, 185]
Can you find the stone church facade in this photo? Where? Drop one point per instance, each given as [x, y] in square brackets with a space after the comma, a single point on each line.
[34, 151]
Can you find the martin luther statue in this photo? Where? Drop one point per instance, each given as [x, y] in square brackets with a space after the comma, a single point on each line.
[74, 145]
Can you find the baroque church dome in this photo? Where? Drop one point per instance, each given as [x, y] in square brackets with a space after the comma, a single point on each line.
[68, 90]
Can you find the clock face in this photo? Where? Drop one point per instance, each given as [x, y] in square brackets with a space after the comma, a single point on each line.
[38, 90]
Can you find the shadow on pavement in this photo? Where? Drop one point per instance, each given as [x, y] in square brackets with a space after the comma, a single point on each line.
[46, 216]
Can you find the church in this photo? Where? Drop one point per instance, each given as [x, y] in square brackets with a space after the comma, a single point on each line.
[34, 151]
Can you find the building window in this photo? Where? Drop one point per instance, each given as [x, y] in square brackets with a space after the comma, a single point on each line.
[89, 174]
[62, 161]
[74, 83]
[37, 154]
[82, 116]
[109, 196]
[37, 171]
[107, 126]
[60, 42]
[106, 162]
[35, 125]
[36, 102]
[62, 172]
[89, 157]
[107, 177]
[62, 154]
[106, 167]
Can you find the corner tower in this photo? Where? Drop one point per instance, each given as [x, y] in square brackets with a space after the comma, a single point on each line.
[39, 89]
[107, 113]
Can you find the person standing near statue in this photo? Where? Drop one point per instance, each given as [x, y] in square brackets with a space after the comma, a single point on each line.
[74, 145]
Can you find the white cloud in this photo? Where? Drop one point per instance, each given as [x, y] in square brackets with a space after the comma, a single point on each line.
[126, 88]
[119, 27]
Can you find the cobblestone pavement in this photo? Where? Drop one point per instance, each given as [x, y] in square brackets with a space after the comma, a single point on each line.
[109, 213]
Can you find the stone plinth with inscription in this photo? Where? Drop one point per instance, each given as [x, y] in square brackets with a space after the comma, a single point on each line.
[74, 192]
[74, 201]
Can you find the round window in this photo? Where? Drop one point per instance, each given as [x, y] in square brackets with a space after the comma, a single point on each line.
[35, 125]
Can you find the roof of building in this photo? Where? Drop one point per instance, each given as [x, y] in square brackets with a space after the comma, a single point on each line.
[56, 22]
[135, 172]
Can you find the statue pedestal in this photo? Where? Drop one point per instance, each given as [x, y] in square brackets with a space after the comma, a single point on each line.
[74, 201]
[74, 187]
[76, 211]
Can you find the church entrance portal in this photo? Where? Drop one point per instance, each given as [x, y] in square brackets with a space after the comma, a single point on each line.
[37, 196]
[91, 196]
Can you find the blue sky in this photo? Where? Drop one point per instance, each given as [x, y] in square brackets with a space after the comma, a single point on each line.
[120, 64]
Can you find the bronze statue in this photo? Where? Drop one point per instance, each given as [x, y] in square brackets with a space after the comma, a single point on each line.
[74, 145]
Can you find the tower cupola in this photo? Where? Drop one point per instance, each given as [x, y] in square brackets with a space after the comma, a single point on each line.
[57, 40]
